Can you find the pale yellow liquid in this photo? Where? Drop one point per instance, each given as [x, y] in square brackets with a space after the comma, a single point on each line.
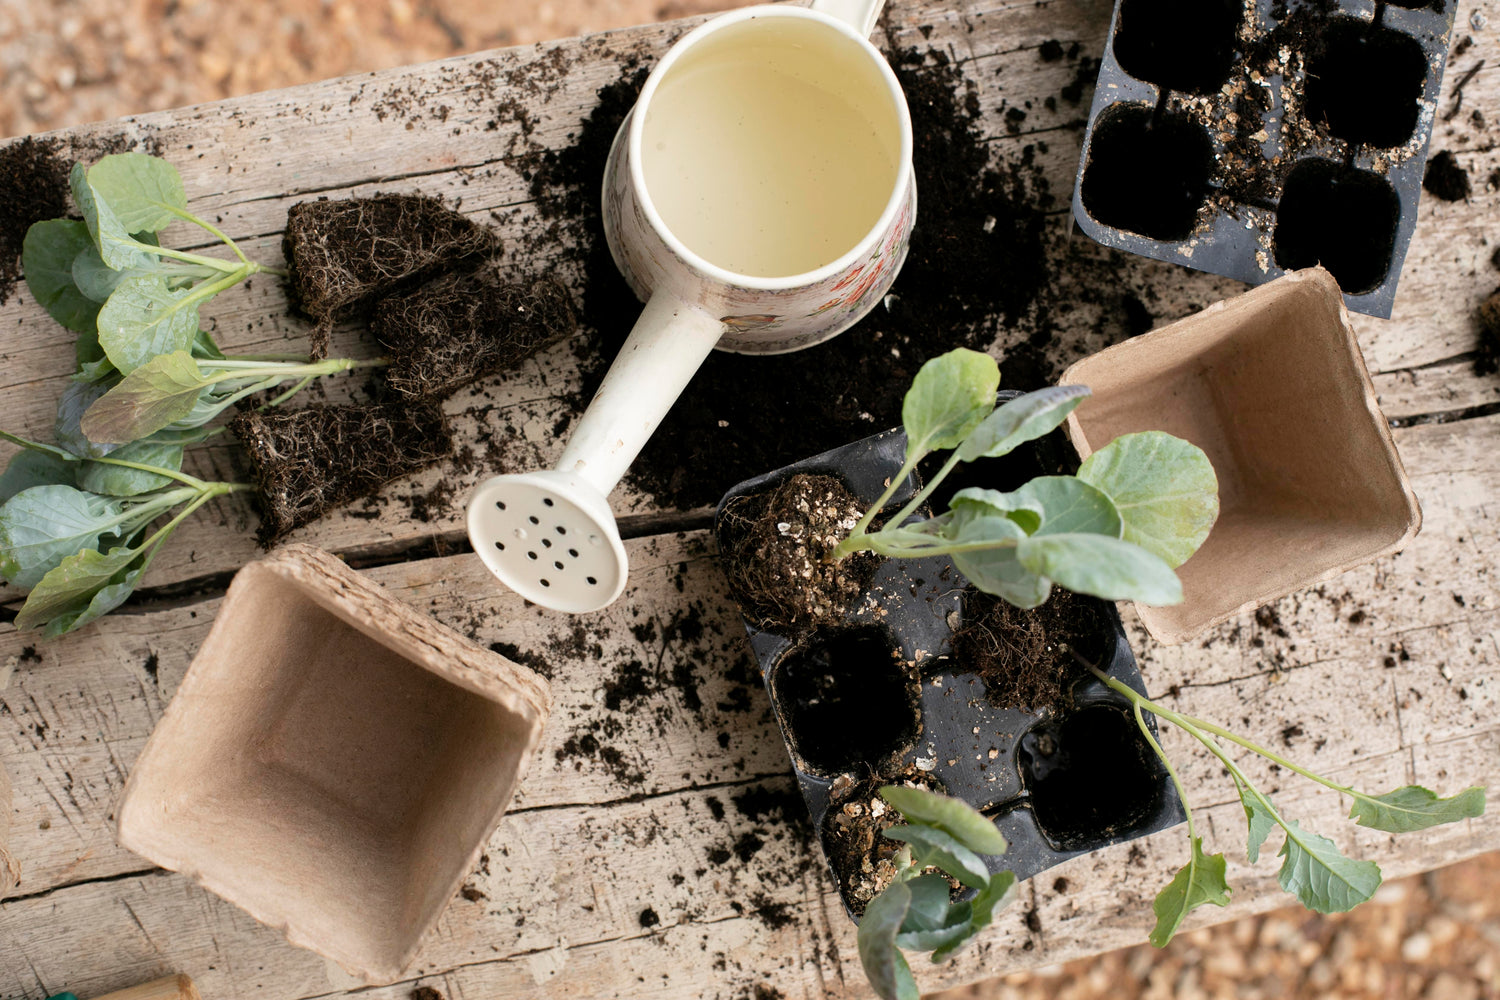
[772, 151]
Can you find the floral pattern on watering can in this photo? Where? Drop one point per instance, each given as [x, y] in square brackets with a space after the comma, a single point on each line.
[756, 320]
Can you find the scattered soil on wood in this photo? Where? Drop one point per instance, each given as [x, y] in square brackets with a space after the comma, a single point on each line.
[1445, 179]
[859, 856]
[775, 549]
[976, 268]
[462, 327]
[848, 701]
[1019, 654]
[33, 188]
[342, 254]
[307, 462]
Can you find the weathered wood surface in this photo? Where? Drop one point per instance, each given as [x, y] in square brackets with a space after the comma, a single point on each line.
[1385, 675]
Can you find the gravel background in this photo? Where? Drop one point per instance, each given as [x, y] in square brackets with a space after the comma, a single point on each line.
[65, 62]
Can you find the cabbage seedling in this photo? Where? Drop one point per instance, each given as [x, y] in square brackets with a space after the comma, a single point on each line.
[1135, 510]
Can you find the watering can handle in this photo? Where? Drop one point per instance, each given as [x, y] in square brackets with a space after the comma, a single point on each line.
[665, 347]
[859, 14]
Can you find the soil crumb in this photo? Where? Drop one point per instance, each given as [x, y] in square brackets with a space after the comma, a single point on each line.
[776, 545]
[1445, 179]
[33, 188]
[861, 858]
[1487, 357]
[343, 254]
[425, 993]
[307, 462]
[462, 327]
[1018, 653]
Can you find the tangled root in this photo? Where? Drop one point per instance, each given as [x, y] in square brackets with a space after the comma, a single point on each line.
[461, 327]
[343, 254]
[776, 546]
[307, 462]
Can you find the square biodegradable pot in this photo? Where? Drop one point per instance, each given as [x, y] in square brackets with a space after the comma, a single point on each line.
[878, 695]
[333, 761]
[1271, 385]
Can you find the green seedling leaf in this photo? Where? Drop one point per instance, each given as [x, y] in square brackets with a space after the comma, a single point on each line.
[951, 394]
[1165, 490]
[974, 502]
[204, 347]
[117, 481]
[995, 896]
[954, 817]
[35, 468]
[1319, 876]
[885, 967]
[141, 190]
[1019, 420]
[43, 525]
[1260, 817]
[997, 570]
[929, 903]
[30, 445]
[96, 279]
[145, 318]
[1200, 882]
[68, 590]
[1105, 567]
[105, 599]
[1070, 506]
[116, 247]
[160, 392]
[47, 256]
[1413, 807]
[934, 847]
[74, 402]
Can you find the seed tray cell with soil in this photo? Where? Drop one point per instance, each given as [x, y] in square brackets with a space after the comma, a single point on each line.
[921, 680]
[1250, 138]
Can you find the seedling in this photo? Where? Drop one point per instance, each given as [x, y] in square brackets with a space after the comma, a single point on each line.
[944, 839]
[1312, 868]
[1135, 510]
[134, 305]
[74, 529]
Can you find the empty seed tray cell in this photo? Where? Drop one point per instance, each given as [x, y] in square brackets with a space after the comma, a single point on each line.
[879, 694]
[1254, 137]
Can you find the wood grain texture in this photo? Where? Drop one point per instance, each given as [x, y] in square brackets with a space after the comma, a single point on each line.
[658, 847]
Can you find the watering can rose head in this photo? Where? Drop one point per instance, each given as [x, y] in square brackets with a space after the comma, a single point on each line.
[1117, 529]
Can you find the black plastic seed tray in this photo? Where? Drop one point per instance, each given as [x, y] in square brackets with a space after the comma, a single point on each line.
[887, 699]
[1254, 137]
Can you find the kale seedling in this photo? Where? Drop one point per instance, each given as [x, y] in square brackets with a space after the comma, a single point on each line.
[1136, 509]
[75, 530]
[916, 910]
[1312, 867]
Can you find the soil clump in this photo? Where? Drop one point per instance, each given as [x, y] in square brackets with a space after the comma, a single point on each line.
[307, 462]
[462, 327]
[861, 858]
[33, 188]
[776, 545]
[1487, 358]
[1019, 653]
[344, 253]
[1445, 179]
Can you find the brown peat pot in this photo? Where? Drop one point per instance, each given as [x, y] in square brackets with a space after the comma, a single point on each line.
[333, 761]
[1272, 386]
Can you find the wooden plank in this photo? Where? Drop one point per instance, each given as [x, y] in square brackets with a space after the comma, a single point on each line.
[609, 833]
[429, 128]
[584, 880]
